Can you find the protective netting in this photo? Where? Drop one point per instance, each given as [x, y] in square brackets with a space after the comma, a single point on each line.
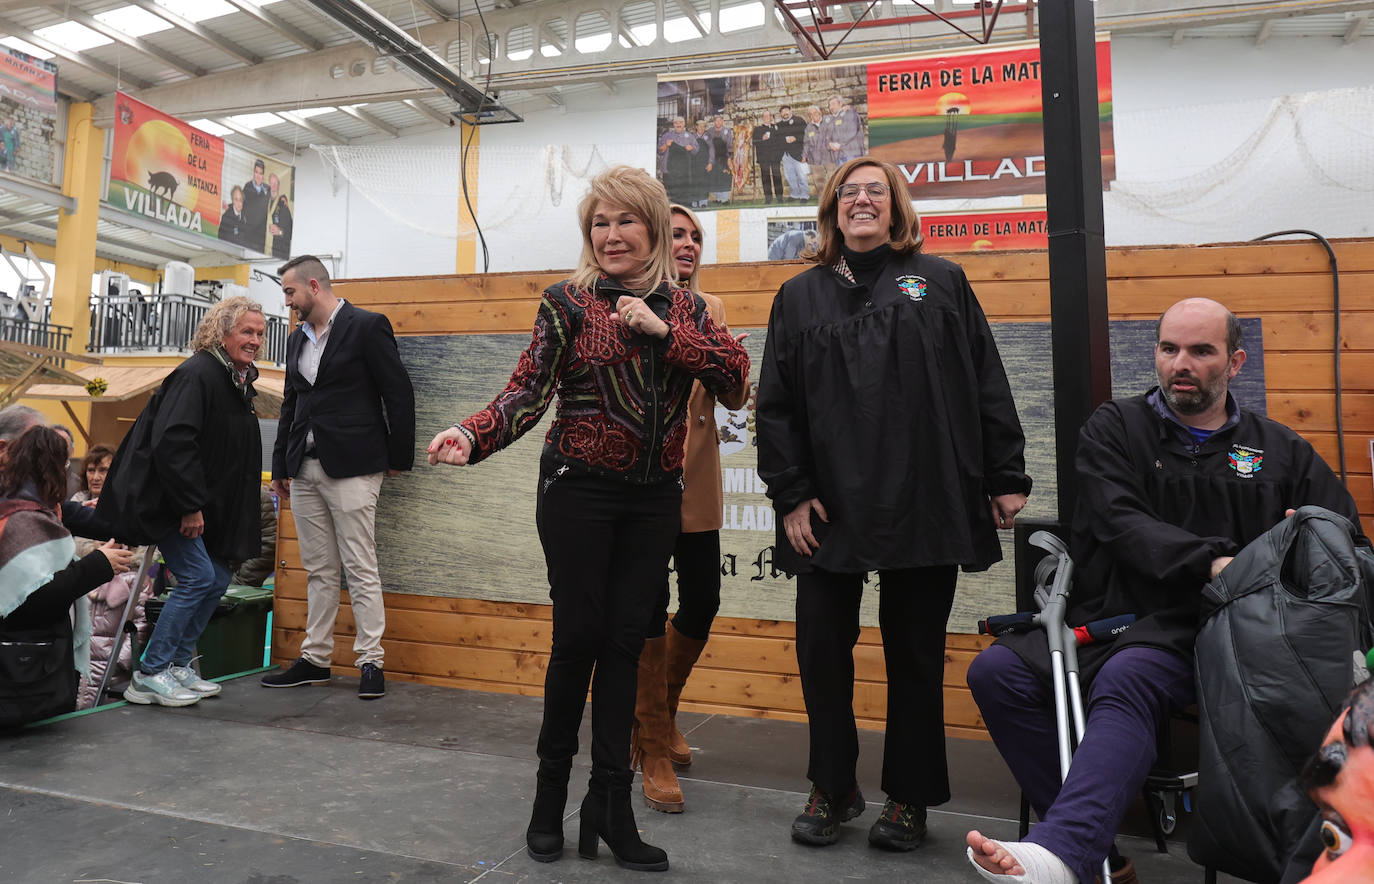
[1252, 167]
[530, 180]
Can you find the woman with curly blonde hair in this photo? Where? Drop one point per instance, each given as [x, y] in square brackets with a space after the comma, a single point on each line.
[186, 478]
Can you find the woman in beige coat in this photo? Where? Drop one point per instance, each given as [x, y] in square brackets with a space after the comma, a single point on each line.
[657, 746]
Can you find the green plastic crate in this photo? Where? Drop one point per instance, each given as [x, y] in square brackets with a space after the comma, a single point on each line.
[236, 638]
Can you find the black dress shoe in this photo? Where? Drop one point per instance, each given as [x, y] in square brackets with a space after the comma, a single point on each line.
[373, 684]
[302, 672]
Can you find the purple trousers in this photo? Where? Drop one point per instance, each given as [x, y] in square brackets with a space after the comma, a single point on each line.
[1135, 691]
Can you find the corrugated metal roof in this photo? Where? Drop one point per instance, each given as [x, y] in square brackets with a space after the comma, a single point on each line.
[1294, 26]
[200, 53]
[261, 39]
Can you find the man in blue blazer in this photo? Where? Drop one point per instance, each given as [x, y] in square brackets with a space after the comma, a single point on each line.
[347, 419]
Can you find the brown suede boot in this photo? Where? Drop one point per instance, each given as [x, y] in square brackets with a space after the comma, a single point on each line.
[682, 655]
[649, 751]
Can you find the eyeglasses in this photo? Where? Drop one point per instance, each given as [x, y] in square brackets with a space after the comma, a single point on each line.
[850, 192]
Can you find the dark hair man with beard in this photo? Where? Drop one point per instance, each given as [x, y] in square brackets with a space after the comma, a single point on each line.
[1171, 485]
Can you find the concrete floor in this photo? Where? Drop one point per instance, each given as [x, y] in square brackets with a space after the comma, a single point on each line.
[434, 784]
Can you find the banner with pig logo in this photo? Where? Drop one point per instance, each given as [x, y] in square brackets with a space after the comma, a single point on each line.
[165, 169]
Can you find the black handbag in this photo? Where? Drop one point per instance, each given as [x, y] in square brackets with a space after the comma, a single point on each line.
[37, 674]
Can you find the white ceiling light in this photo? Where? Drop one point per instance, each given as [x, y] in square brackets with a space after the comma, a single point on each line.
[133, 21]
[25, 47]
[212, 127]
[198, 10]
[73, 36]
[257, 121]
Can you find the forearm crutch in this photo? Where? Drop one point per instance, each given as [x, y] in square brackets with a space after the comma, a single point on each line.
[1053, 599]
[126, 622]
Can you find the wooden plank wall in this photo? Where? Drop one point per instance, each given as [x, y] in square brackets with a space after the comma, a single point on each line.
[749, 667]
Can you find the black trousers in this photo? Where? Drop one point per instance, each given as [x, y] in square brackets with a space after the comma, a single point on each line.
[771, 175]
[913, 611]
[606, 544]
[696, 559]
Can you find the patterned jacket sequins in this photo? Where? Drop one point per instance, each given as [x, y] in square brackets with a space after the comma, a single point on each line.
[622, 395]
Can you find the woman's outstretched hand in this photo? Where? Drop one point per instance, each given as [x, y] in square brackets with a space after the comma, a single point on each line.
[121, 558]
[450, 447]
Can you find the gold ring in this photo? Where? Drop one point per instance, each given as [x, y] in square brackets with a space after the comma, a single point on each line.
[628, 315]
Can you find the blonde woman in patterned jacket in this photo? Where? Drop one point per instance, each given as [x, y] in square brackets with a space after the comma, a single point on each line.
[619, 345]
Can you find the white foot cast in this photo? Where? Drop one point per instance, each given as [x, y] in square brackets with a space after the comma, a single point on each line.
[1041, 866]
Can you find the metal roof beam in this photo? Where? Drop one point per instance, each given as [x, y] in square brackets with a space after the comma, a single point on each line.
[12, 221]
[46, 194]
[310, 125]
[627, 35]
[1265, 32]
[372, 120]
[1356, 29]
[546, 35]
[278, 24]
[75, 58]
[178, 64]
[65, 87]
[431, 10]
[686, 8]
[205, 35]
[422, 108]
[118, 243]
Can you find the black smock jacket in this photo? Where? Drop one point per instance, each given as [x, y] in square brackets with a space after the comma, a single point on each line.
[891, 406]
[1152, 515]
[196, 446]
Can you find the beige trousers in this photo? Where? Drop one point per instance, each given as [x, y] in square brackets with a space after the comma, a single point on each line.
[336, 525]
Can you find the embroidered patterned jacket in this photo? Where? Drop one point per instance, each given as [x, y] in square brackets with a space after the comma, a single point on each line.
[622, 395]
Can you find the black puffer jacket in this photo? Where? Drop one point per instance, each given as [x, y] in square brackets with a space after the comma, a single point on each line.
[1274, 659]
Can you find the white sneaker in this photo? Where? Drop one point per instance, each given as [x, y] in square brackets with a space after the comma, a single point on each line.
[191, 681]
[162, 689]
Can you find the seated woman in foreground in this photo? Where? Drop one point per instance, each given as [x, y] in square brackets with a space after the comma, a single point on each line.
[43, 643]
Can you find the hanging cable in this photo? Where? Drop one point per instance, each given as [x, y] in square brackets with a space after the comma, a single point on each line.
[472, 130]
[1336, 348]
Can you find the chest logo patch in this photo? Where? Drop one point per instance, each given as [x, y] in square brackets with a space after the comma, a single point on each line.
[1246, 461]
[914, 287]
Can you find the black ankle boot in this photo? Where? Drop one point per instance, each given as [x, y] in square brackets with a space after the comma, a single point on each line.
[544, 837]
[607, 815]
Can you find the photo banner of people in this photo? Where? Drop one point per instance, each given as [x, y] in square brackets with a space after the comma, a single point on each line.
[758, 139]
[790, 238]
[166, 169]
[956, 125]
[28, 116]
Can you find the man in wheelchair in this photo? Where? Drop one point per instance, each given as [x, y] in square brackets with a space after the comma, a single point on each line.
[1172, 484]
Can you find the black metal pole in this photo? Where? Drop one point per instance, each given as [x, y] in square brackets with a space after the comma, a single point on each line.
[1077, 247]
